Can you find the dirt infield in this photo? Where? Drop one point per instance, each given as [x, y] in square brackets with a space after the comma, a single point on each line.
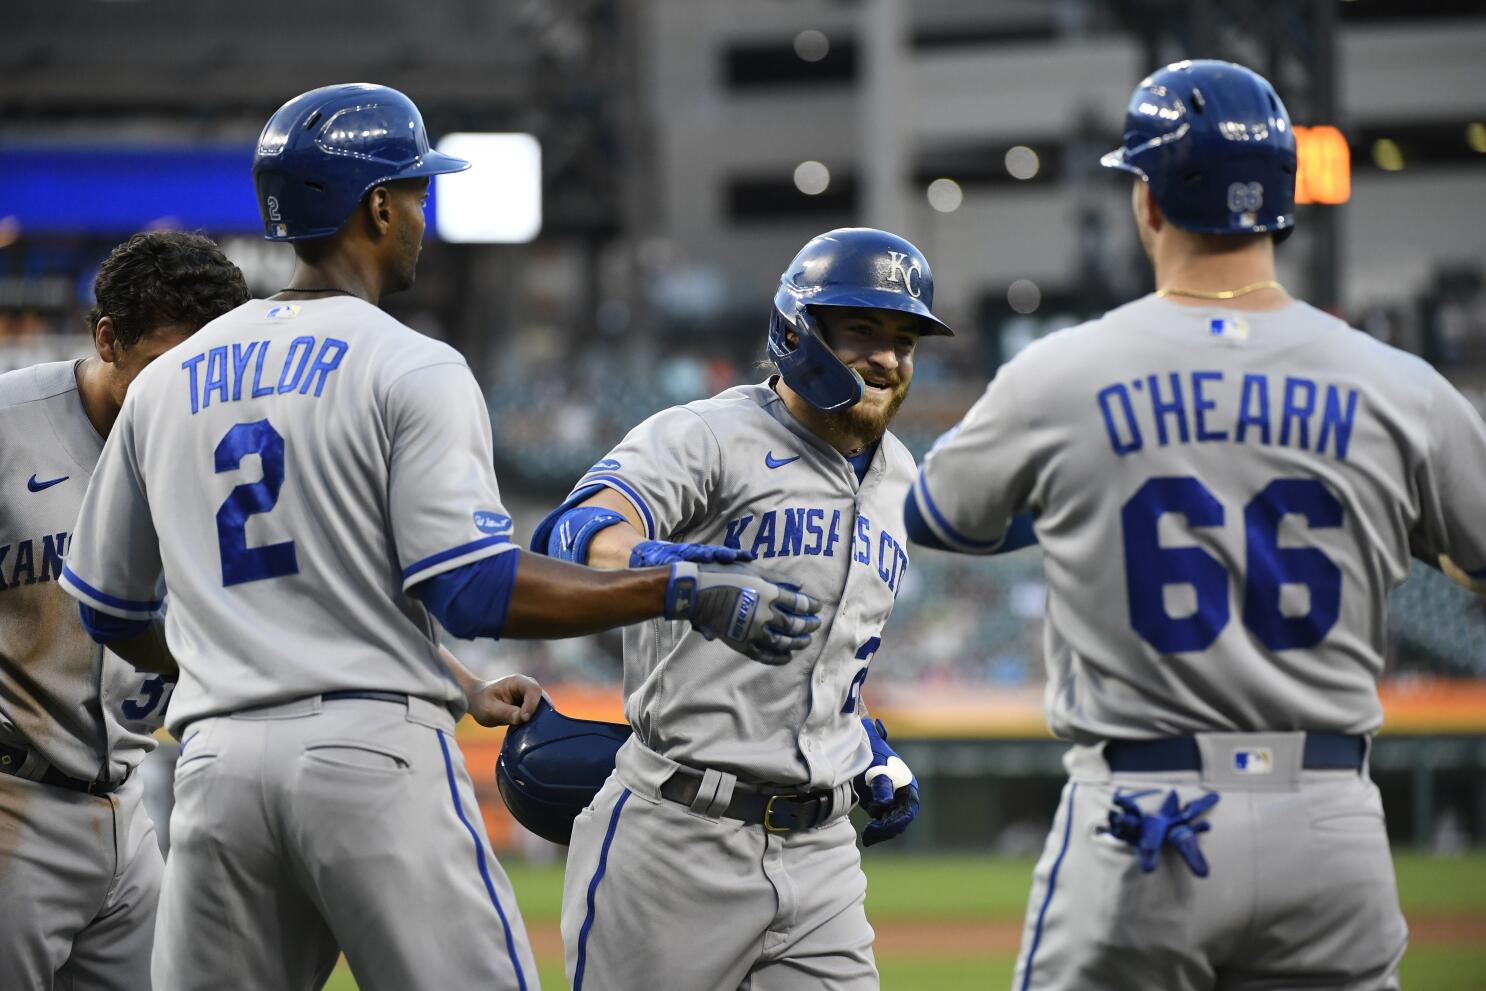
[958, 937]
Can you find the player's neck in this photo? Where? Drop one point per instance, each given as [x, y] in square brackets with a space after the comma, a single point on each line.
[1179, 269]
[336, 273]
[835, 430]
[96, 393]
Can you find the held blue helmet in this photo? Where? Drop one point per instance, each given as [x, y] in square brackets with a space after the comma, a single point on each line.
[323, 150]
[1215, 145]
[852, 266]
[551, 767]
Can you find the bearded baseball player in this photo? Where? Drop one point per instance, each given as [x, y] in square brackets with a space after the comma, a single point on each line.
[1226, 484]
[724, 824]
[313, 481]
[79, 865]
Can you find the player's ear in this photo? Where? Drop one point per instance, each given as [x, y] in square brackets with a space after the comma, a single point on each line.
[379, 209]
[105, 340]
[1146, 206]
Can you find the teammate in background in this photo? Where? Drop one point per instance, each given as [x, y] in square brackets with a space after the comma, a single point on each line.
[1226, 482]
[724, 825]
[79, 866]
[313, 480]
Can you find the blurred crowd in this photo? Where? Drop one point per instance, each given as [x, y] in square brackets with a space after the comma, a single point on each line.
[557, 408]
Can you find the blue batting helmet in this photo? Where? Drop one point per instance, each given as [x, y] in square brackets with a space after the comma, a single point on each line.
[1215, 145]
[551, 766]
[852, 266]
[323, 150]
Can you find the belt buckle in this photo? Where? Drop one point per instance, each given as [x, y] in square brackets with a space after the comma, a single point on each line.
[769, 826]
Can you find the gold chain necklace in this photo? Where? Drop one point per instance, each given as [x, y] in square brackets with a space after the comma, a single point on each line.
[1222, 293]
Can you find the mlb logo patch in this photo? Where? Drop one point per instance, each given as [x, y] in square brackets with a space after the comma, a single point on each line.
[287, 311]
[1228, 329]
[1259, 760]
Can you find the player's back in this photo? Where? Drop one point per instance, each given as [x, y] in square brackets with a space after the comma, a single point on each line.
[1224, 501]
[286, 503]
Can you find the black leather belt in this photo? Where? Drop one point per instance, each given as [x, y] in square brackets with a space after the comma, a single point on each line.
[12, 759]
[396, 697]
[776, 812]
[1323, 752]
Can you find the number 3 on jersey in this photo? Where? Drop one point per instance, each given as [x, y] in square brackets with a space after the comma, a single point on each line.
[1269, 567]
[241, 563]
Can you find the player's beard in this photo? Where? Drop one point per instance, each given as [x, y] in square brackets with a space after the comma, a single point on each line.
[410, 246]
[869, 421]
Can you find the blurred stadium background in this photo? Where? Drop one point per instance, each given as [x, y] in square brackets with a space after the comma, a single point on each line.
[621, 258]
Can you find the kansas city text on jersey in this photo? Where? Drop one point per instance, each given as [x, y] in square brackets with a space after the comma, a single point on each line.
[27, 562]
[803, 532]
[1199, 408]
[228, 368]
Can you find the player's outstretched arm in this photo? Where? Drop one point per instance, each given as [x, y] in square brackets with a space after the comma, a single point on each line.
[604, 531]
[754, 616]
[529, 596]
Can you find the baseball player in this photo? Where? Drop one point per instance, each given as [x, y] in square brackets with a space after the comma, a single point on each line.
[1226, 484]
[313, 481]
[724, 825]
[79, 865]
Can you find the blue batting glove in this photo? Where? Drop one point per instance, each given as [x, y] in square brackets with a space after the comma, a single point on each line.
[658, 553]
[1174, 825]
[887, 789]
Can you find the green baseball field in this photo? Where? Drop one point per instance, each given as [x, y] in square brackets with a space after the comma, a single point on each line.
[946, 923]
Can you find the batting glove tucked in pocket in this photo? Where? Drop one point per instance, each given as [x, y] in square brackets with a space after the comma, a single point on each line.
[755, 617]
[887, 789]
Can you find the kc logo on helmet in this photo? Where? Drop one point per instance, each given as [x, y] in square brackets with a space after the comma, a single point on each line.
[905, 273]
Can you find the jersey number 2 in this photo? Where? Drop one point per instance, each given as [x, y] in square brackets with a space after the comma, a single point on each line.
[241, 563]
[1270, 567]
[854, 690]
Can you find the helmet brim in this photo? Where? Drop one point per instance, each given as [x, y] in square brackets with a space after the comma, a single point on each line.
[876, 299]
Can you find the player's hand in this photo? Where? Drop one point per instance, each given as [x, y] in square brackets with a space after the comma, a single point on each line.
[507, 701]
[887, 789]
[755, 617]
[655, 553]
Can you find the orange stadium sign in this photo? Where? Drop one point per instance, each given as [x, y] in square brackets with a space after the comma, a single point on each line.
[1323, 165]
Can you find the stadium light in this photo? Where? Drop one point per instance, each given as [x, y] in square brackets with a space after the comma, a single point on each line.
[498, 200]
[1323, 165]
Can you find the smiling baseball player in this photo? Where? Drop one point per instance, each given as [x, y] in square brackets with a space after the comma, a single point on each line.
[719, 855]
[79, 865]
[313, 481]
[1227, 483]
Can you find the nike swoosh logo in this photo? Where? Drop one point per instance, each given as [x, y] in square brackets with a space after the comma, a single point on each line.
[774, 462]
[35, 486]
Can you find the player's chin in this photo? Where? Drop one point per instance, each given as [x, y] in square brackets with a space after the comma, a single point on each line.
[877, 408]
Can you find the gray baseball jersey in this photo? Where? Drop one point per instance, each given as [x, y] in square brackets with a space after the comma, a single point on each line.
[740, 471]
[91, 860]
[293, 468]
[61, 695]
[1224, 500]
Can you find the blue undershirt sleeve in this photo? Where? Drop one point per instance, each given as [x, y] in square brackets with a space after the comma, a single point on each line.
[471, 600]
[105, 629]
[1019, 532]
